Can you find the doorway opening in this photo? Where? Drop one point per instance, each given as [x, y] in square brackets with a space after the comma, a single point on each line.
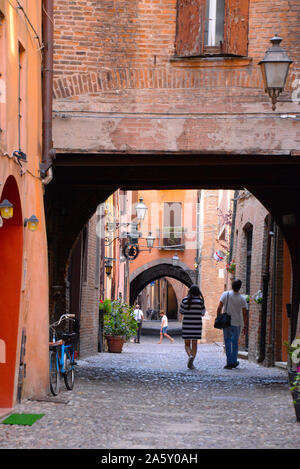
[215, 235]
[11, 255]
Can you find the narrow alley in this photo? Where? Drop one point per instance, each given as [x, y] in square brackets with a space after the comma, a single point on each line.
[146, 397]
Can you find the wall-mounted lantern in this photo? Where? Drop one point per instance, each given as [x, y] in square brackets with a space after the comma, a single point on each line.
[275, 67]
[32, 223]
[175, 260]
[141, 209]
[108, 266]
[6, 209]
[150, 240]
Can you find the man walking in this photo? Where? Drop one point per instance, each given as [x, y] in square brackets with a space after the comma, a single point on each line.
[138, 316]
[235, 305]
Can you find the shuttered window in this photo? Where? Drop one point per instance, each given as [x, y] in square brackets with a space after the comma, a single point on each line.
[212, 27]
[190, 27]
[236, 27]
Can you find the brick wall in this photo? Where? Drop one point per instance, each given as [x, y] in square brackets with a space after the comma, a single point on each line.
[91, 35]
[117, 57]
[251, 212]
[121, 32]
[117, 88]
[212, 286]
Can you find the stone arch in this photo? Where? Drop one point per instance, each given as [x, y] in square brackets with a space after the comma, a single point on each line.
[155, 270]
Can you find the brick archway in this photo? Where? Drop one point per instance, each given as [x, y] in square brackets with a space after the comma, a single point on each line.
[82, 181]
[149, 273]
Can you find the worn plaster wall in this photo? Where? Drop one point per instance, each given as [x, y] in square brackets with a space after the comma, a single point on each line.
[26, 288]
[117, 86]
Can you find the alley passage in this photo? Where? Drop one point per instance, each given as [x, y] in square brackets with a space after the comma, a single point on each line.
[147, 398]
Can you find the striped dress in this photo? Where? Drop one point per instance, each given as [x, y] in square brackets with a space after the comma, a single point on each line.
[192, 317]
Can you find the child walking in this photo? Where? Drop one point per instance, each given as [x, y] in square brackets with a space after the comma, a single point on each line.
[164, 328]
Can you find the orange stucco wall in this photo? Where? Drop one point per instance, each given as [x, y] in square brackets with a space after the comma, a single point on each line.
[154, 220]
[24, 265]
[210, 280]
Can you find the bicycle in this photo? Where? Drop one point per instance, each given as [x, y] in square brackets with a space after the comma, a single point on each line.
[61, 356]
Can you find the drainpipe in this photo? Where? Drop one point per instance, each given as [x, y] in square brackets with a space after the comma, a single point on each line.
[264, 309]
[48, 153]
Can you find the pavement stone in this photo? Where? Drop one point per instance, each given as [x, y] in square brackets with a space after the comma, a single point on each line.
[147, 398]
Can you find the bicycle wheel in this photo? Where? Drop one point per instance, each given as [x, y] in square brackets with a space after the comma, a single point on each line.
[69, 374]
[54, 373]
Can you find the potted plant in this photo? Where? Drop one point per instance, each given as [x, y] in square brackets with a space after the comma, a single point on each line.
[258, 297]
[104, 306]
[247, 299]
[231, 267]
[119, 325]
[294, 374]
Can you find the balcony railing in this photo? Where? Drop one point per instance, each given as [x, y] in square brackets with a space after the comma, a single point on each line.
[171, 237]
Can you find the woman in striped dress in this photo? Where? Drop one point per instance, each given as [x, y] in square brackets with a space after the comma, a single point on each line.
[192, 309]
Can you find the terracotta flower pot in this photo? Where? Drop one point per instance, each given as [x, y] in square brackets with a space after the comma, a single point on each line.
[115, 343]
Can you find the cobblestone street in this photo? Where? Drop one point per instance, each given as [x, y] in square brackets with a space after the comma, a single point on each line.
[147, 398]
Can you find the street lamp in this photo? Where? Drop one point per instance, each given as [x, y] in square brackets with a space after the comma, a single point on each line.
[150, 240]
[175, 260]
[32, 223]
[108, 265]
[6, 209]
[141, 209]
[275, 67]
